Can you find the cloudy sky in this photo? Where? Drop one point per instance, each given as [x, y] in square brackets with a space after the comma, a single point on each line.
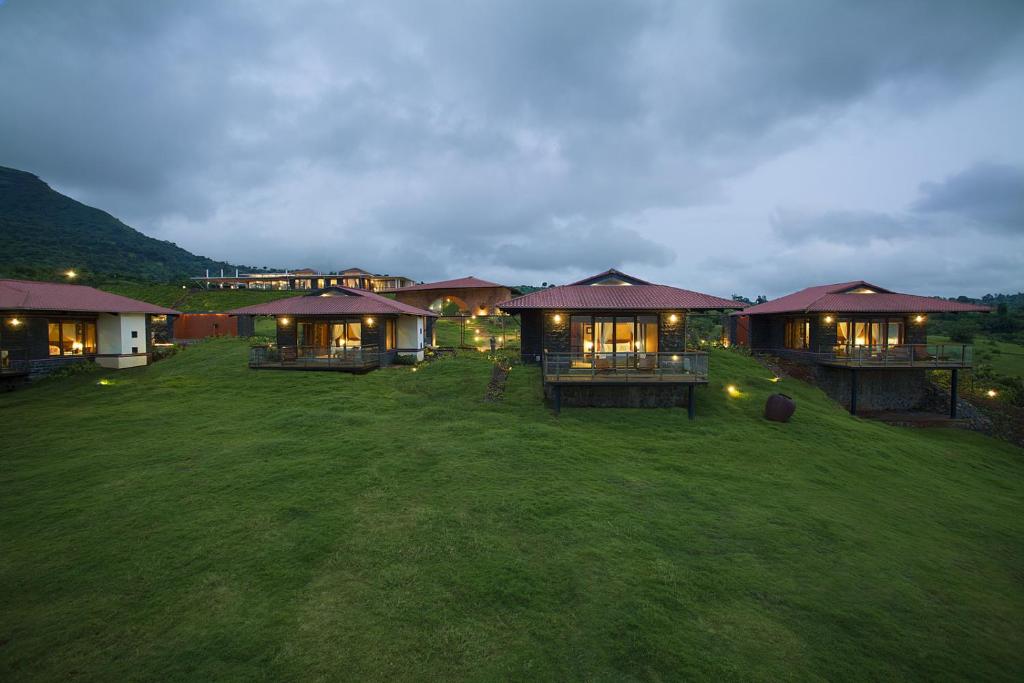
[729, 147]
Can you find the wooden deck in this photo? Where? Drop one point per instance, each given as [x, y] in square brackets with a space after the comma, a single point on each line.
[625, 378]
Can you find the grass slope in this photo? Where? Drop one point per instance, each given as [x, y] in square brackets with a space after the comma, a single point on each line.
[196, 520]
[45, 233]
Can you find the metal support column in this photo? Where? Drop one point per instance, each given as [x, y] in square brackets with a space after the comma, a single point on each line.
[954, 377]
[558, 399]
[690, 407]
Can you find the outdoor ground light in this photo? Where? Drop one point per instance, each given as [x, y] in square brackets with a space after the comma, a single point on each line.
[732, 390]
[991, 393]
[71, 274]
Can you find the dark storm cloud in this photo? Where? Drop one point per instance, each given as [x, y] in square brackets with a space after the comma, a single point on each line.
[440, 138]
[991, 195]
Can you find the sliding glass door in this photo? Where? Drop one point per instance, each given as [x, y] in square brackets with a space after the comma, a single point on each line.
[612, 340]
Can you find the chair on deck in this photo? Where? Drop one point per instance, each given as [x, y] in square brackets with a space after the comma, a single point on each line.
[646, 363]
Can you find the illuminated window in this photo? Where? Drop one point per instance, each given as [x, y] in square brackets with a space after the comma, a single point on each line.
[607, 335]
[71, 337]
[798, 333]
[390, 335]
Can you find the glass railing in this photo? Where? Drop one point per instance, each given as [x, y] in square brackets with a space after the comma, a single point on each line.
[899, 355]
[311, 357]
[680, 366]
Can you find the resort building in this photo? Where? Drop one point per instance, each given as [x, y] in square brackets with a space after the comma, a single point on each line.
[46, 325]
[339, 328]
[868, 346]
[305, 279]
[471, 295]
[614, 340]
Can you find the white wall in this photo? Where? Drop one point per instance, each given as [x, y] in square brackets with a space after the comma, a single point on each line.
[411, 329]
[115, 340]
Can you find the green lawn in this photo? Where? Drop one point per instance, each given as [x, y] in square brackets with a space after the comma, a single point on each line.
[195, 520]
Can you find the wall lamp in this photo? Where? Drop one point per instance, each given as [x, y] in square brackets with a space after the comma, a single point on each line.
[14, 322]
[284, 322]
[369, 321]
[557, 318]
[829, 319]
[673, 318]
[918, 318]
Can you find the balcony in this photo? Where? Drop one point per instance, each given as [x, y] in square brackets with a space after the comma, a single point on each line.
[315, 358]
[934, 356]
[689, 367]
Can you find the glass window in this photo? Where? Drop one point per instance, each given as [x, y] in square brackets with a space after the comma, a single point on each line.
[353, 335]
[647, 333]
[390, 336]
[798, 333]
[90, 337]
[604, 335]
[625, 339]
[54, 334]
[581, 334]
[895, 336]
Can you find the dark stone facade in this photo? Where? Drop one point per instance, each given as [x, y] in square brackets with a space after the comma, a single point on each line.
[620, 396]
[903, 389]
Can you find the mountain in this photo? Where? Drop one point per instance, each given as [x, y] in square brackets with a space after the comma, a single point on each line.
[43, 234]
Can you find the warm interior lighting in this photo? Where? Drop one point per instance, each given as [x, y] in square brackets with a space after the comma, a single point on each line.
[828, 319]
[991, 393]
[77, 346]
[918, 318]
[588, 346]
[557, 318]
[673, 318]
[732, 390]
[284, 322]
[71, 274]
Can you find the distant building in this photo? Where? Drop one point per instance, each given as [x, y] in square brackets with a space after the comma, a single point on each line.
[305, 279]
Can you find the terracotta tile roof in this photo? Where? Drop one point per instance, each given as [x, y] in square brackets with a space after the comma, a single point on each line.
[617, 297]
[837, 298]
[611, 272]
[27, 295]
[460, 283]
[344, 301]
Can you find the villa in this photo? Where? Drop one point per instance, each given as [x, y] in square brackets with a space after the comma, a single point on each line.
[45, 326]
[614, 340]
[339, 328]
[868, 346]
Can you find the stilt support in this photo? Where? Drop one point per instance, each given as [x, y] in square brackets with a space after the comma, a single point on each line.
[558, 399]
[690, 407]
[953, 378]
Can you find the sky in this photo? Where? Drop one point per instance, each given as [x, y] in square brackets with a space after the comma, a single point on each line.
[729, 147]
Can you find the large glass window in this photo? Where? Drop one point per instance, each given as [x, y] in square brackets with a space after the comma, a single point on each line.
[390, 335]
[71, 337]
[881, 332]
[607, 335]
[346, 335]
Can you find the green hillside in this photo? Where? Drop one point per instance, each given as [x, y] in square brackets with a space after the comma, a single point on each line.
[45, 233]
[197, 520]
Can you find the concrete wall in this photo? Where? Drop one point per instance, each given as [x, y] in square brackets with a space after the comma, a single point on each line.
[904, 389]
[122, 340]
[411, 335]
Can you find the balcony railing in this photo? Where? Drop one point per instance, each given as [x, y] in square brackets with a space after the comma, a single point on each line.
[639, 367]
[890, 356]
[314, 357]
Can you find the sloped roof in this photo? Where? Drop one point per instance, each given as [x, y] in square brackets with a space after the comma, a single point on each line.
[611, 272]
[459, 283]
[836, 298]
[28, 295]
[643, 297]
[333, 301]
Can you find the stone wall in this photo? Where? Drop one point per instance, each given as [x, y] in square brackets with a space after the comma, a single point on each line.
[624, 396]
[905, 389]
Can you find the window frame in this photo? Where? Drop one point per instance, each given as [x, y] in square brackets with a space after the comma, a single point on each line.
[61, 323]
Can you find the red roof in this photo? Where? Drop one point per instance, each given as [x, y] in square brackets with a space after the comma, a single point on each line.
[460, 283]
[27, 295]
[837, 298]
[617, 297]
[333, 301]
